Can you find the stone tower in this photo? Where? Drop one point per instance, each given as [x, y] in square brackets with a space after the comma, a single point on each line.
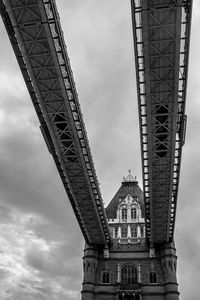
[129, 268]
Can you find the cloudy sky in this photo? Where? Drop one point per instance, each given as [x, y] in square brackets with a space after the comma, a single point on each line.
[40, 241]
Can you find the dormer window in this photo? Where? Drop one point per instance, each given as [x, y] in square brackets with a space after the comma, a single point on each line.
[133, 213]
[124, 213]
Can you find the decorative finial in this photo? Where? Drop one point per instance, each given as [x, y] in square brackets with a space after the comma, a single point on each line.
[130, 177]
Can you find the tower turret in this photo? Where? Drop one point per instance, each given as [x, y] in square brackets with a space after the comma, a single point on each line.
[129, 268]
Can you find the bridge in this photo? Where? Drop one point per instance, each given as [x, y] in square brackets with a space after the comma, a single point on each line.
[161, 34]
[161, 37]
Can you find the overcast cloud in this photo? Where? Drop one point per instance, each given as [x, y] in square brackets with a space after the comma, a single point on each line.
[40, 241]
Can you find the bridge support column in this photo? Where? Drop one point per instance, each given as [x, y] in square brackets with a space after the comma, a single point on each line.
[90, 262]
[169, 262]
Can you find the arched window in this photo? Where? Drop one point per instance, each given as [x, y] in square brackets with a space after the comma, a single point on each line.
[133, 231]
[105, 277]
[133, 213]
[124, 213]
[128, 274]
[124, 232]
[152, 277]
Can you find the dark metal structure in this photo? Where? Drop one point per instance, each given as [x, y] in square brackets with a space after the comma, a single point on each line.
[161, 37]
[161, 31]
[37, 39]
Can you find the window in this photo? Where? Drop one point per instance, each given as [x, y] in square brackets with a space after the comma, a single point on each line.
[105, 277]
[133, 213]
[152, 277]
[129, 296]
[124, 232]
[124, 213]
[142, 231]
[129, 274]
[116, 232]
[111, 229]
[133, 231]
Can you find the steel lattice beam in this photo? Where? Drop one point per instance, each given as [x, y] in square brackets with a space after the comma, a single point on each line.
[37, 39]
[161, 32]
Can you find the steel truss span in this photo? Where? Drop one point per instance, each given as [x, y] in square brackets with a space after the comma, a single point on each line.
[37, 39]
[161, 30]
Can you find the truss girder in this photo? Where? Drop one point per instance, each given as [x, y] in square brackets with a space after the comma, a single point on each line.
[161, 30]
[37, 39]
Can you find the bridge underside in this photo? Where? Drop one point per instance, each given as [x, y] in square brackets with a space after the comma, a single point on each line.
[37, 39]
[161, 39]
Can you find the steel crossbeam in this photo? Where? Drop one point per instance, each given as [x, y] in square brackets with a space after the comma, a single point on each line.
[37, 39]
[161, 30]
